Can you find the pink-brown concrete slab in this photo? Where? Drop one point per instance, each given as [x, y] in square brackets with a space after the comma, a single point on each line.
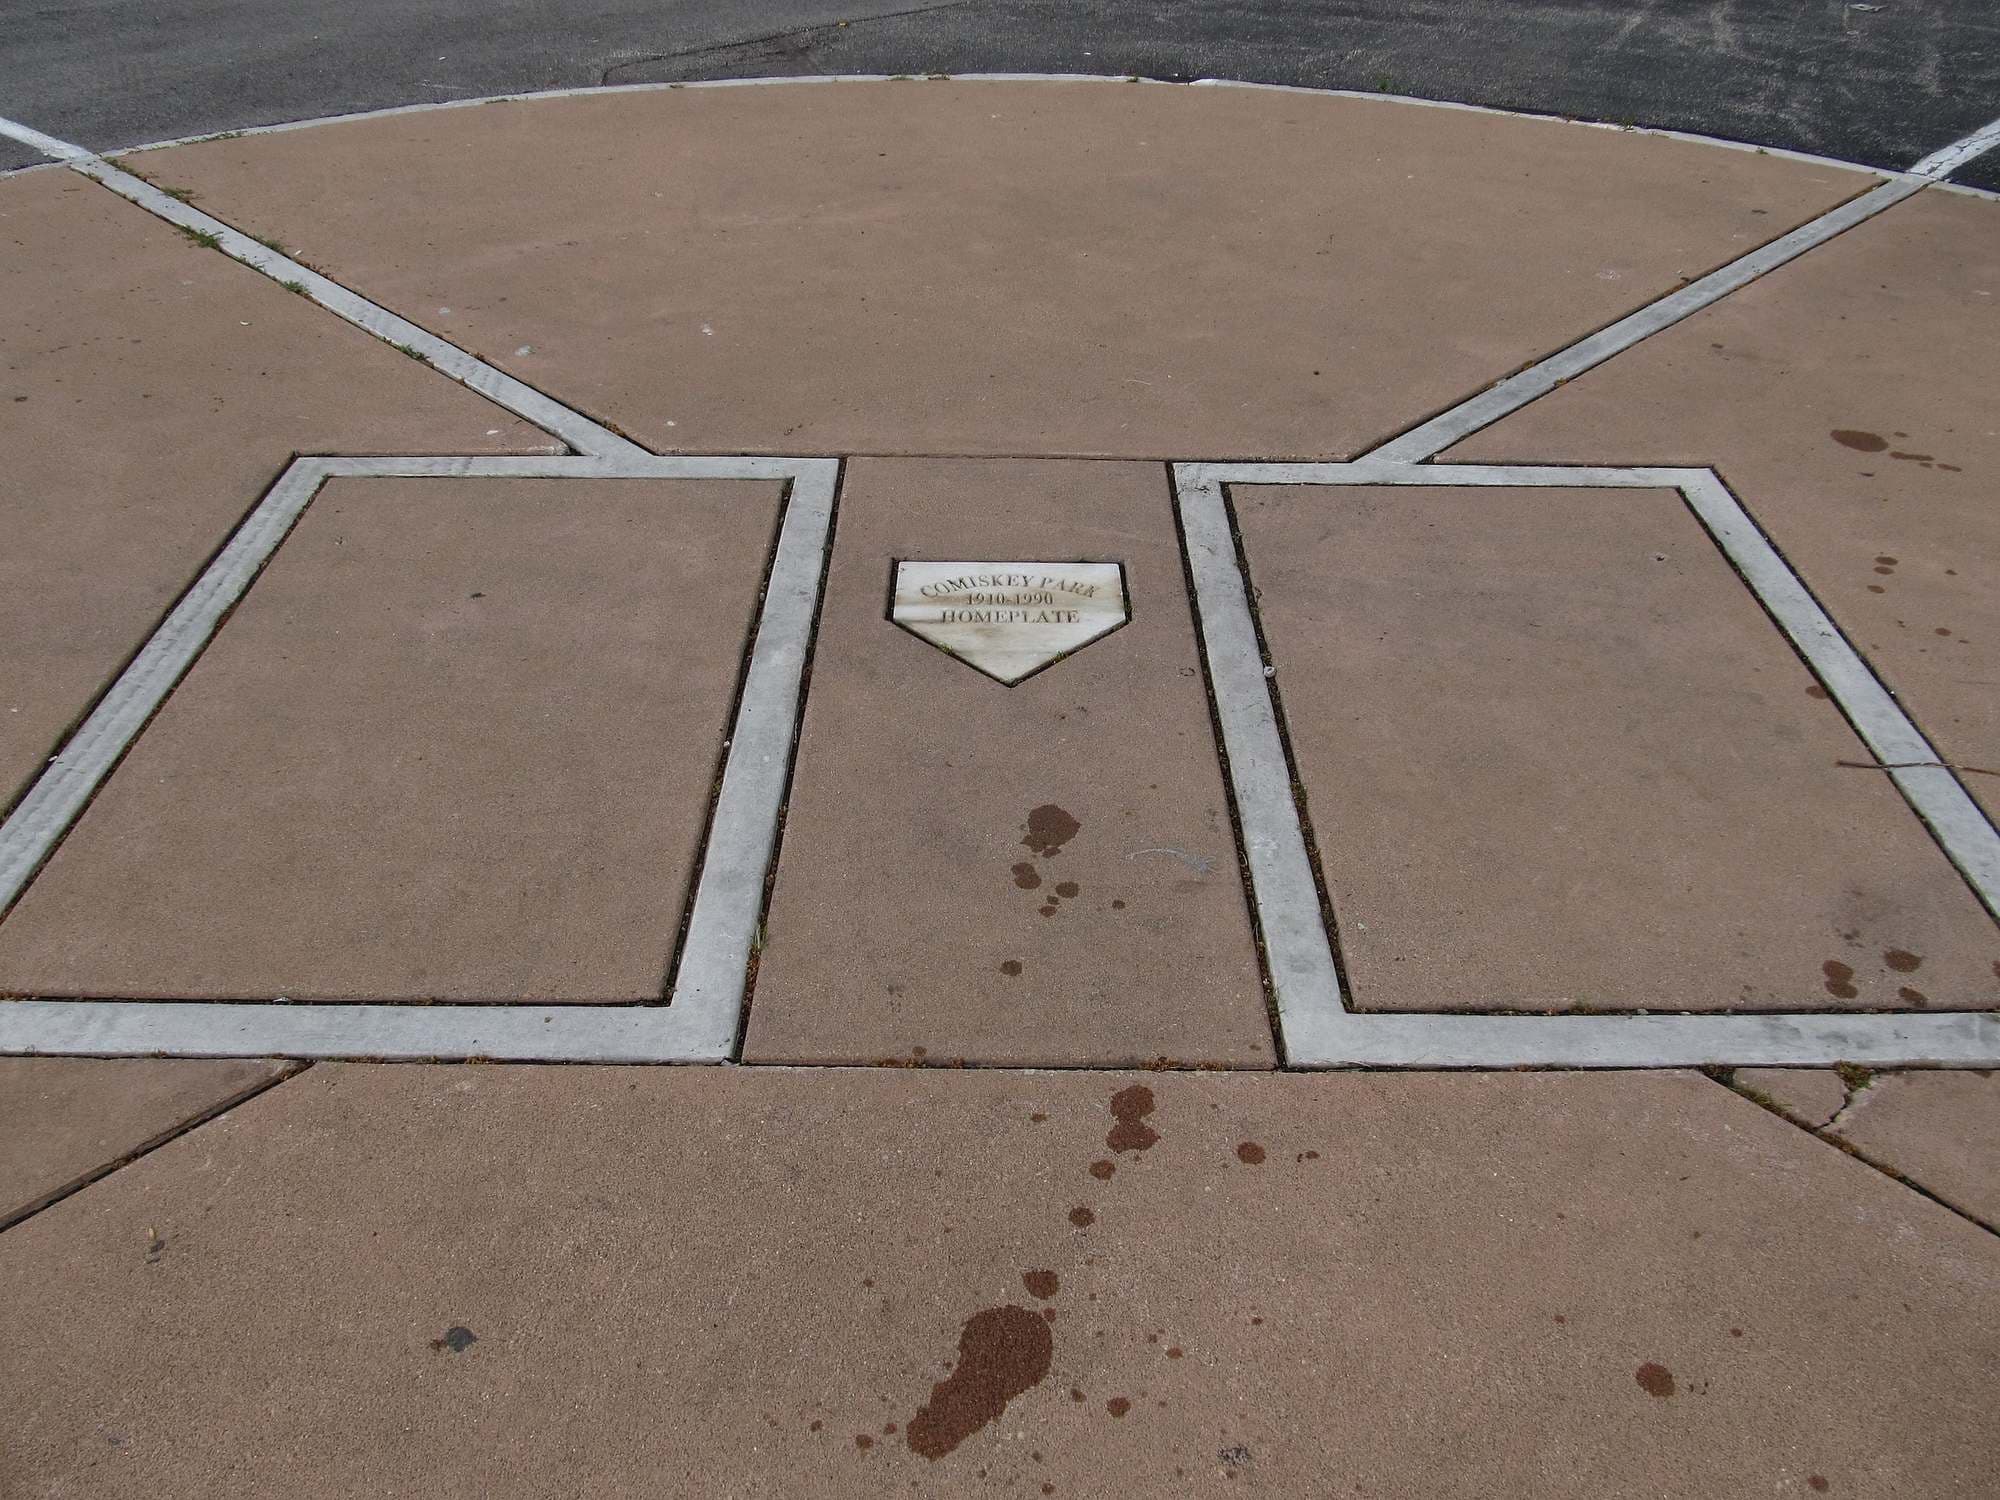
[457, 742]
[63, 1120]
[1043, 873]
[1555, 755]
[1939, 1129]
[1003, 268]
[1809, 1096]
[508, 1281]
[150, 390]
[1848, 399]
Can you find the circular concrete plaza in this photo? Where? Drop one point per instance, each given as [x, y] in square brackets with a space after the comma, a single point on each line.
[1062, 786]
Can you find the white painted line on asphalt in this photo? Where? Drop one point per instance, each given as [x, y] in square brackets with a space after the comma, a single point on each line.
[1509, 395]
[48, 145]
[703, 1013]
[1944, 162]
[1319, 1030]
[1297, 946]
[582, 434]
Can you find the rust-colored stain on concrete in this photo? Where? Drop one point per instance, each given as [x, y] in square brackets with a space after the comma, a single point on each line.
[1250, 1154]
[1026, 876]
[1655, 1380]
[1839, 979]
[1043, 1284]
[1002, 1351]
[1049, 828]
[1129, 1107]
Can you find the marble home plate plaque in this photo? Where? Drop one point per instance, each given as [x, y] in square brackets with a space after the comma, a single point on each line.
[1009, 619]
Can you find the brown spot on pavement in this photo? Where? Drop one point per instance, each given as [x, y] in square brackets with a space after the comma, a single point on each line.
[1250, 1154]
[1037, 1118]
[1082, 1217]
[1118, 906]
[1902, 960]
[1816, 1481]
[1175, 1352]
[1940, 631]
[456, 1338]
[1876, 588]
[1026, 876]
[889, 1429]
[1048, 1315]
[1129, 1107]
[1915, 458]
[1655, 1380]
[1839, 979]
[1011, 967]
[1860, 442]
[1816, 691]
[1118, 1406]
[1049, 828]
[1102, 1170]
[1048, 911]
[863, 1441]
[1075, 1394]
[816, 1426]
[1070, 888]
[1886, 560]
[1044, 1284]
[1912, 997]
[1002, 1351]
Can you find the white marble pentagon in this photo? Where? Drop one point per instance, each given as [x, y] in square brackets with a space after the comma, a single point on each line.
[1009, 619]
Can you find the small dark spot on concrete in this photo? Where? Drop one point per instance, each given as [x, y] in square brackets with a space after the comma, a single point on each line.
[456, 1338]
[1885, 560]
[1254, 1322]
[1915, 458]
[1175, 1351]
[1250, 1154]
[816, 1426]
[1048, 1315]
[1816, 691]
[1037, 1118]
[1876, 588]
[1002, 1351]
[1736, 1333]
[475, 596]
[1026, 876]
[1118, 906]
[1118, 1406]
[1044, 1284]
[1049, 910]
[1655, 1380]
[1885, 571]
[868, 1281]
[1047, 1488]
[1082, 1217]
[1902, 960]
[1011, 967]
[889, 1429]
[1049, 828]
[1816, 1482]
[1912, 997]
[1075, 1394]
[1233, 1458]
[1561, 1319]
[1129, 1107]
[1102, 1170]
[863, 1441]
[1940, 631]
[1839, 979]
[1069, 888]
[1860, 442]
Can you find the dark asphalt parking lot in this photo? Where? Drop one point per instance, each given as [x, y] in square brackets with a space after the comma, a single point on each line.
[1878, 83]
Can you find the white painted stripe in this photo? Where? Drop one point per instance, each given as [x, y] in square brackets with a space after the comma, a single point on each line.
[1944, 162]
[1963, 1040]
[48, 145]
[1297, 949]
[729, 901]
[399, 1033]
[1516, 391]
[60, 793]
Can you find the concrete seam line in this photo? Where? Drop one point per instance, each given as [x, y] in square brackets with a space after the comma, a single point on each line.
[1321, 1032]
[1505, 397]
[502, 389]
[1297, 947]
[699, 1024]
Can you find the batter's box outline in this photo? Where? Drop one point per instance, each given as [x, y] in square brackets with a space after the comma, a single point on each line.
[1317, 1027]
[702, 1012]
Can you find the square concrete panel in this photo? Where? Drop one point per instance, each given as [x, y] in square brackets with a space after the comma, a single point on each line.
[1043, 873]
[1556, 756]
[457, 743]
[1004, 267]
[506, 1282]
[150, 391]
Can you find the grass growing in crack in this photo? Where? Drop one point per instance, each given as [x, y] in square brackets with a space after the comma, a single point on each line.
[179, 195]
[296, 286]
[1854, 1075]
[201, 237]
[276, 246]
[420, 358]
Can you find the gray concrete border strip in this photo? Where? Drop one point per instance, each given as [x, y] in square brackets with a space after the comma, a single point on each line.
[1319, 1030]
[698, 1023]
[1509, 395]
[502, 389]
